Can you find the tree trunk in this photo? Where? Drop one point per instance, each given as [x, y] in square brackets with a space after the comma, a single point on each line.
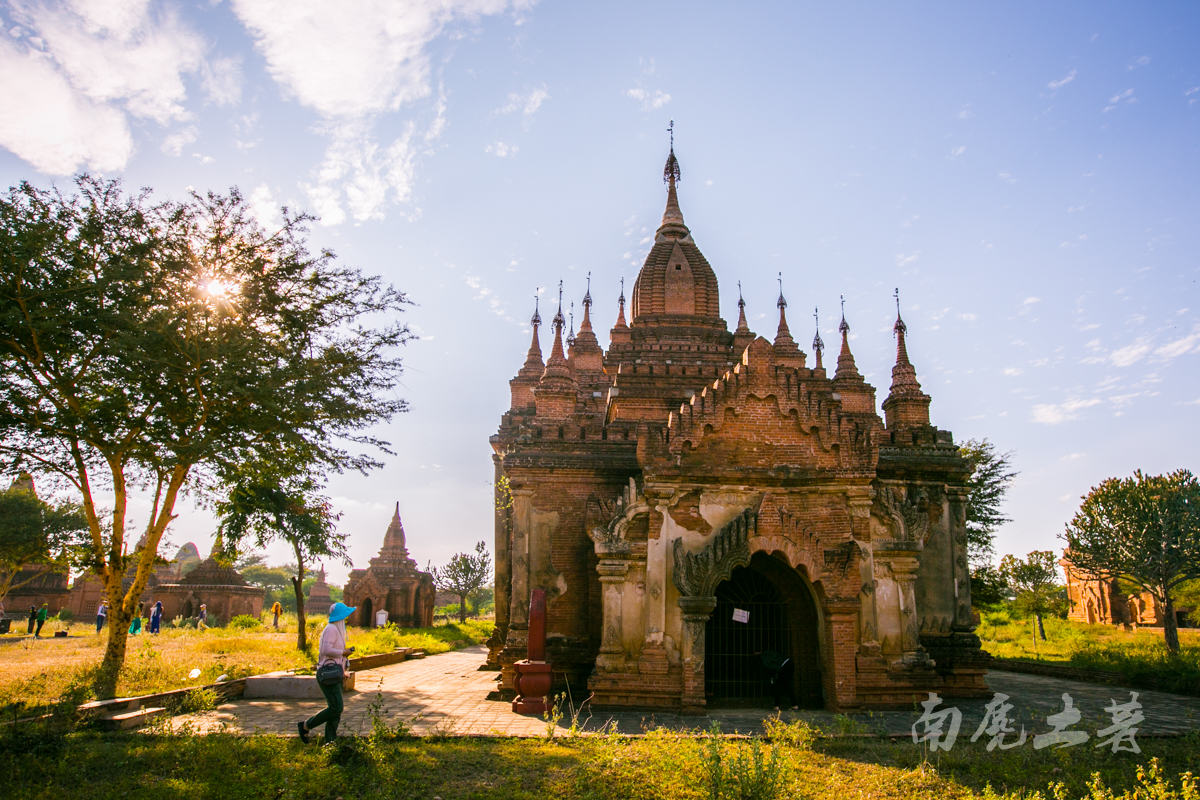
[1170, 628]
[105, 682]
[1041, 628]
[298, 587]
[462, 608]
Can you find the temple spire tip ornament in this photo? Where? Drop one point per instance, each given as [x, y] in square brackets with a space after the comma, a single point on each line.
[621, 308]
[781, 303]
[671, 175]
[900, 329]
[533, 359]
[571, 332]
[818, 345]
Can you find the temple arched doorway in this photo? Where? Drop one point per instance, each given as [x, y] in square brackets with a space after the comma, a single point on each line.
[187, 610]
[780, 614]
[365, 615]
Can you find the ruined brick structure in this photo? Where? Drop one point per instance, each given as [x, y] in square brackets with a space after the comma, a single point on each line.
[392, 583]
[689, 472]
[1100, 601]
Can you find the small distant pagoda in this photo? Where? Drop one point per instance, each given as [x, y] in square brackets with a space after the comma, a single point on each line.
[392, 583]
[318, 601]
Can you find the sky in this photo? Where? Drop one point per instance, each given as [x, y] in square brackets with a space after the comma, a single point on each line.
[1023, 173]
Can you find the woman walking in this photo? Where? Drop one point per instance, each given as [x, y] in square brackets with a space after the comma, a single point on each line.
[276, 610]
[101, 616]
[333, 651]
[156, 617]
[202, 618]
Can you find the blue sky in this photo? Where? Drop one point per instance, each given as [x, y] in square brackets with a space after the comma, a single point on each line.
[1025, 173]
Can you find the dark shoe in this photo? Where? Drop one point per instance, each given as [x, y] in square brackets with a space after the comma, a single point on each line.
[303, 732]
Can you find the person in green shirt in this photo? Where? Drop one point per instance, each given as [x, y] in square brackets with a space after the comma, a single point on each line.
[43, 612]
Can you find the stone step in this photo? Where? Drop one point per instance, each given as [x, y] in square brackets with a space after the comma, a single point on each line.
[131, 719]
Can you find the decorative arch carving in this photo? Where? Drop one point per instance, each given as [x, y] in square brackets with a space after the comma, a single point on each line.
[698, 574]
[796, 555]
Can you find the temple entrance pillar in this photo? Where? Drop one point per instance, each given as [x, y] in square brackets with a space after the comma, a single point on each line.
[696, 611]
[612, 643]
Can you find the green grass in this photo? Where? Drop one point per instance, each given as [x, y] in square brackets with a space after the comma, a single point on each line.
[36, 672]
[1141, 657]
[660, 765]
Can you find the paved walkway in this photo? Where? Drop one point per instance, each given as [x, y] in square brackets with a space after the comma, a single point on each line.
[447, 695]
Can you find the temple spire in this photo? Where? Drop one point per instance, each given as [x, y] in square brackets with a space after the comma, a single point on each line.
[900, 329]
[556, 364]
[818, 345]
[533, 359]
[671, 176]
[787, 352]
[782, 303]
[846, 367]
[571, 332]
[743, 336]
[621, 307]
[587, 305]
[906, 406]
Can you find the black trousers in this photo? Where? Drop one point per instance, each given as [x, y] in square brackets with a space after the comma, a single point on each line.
[782, 684]
[331, 715]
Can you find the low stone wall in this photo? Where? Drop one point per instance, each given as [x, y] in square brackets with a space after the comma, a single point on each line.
[1056, 670]
[381, 660]
[226, 691]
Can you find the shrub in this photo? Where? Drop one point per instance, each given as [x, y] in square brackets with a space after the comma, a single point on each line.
[244, 622]
[65, 615]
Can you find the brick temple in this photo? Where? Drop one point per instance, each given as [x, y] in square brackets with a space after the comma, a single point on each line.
[691, 497]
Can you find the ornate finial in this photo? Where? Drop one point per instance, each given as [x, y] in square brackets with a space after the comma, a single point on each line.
[537, 318]
[671, 171]
[559, 320]
[621, 299]
[587, 297]
[782, 303]
[741, 302]
[845, 326]
[818, 345]
[571, 333]
[900, 328]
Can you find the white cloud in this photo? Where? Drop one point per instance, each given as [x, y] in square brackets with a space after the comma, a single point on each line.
[1141, 62]
[173, 144]
[265, 208]
[902, 259]
[1006, 177]
[1055, 414]
[1061, 82]
[958, 151]
[352, 62]
[650, 101]
[1126, 95]
[222, 81]
[501, 149]
[360, 173]
[527, 104]
[1012, 372]
[73, 70]
[1130, 354]
[1179, 347]
[49, 124]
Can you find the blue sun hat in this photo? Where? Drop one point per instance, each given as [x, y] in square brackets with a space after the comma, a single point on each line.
[339, 611]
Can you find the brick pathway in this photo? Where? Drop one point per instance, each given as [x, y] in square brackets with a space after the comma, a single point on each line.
[446, 694]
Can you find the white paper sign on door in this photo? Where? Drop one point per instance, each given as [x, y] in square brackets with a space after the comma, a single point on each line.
[741, 615]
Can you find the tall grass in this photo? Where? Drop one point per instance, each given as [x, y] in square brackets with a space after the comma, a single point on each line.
[1141, 657]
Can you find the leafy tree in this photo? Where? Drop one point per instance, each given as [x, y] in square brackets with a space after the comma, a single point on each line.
[157, 345]
[464, 576]
[1035, 582]
[988, 587]
[36, 534]
[991, 477]
[1145, 529]
[265, 508]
